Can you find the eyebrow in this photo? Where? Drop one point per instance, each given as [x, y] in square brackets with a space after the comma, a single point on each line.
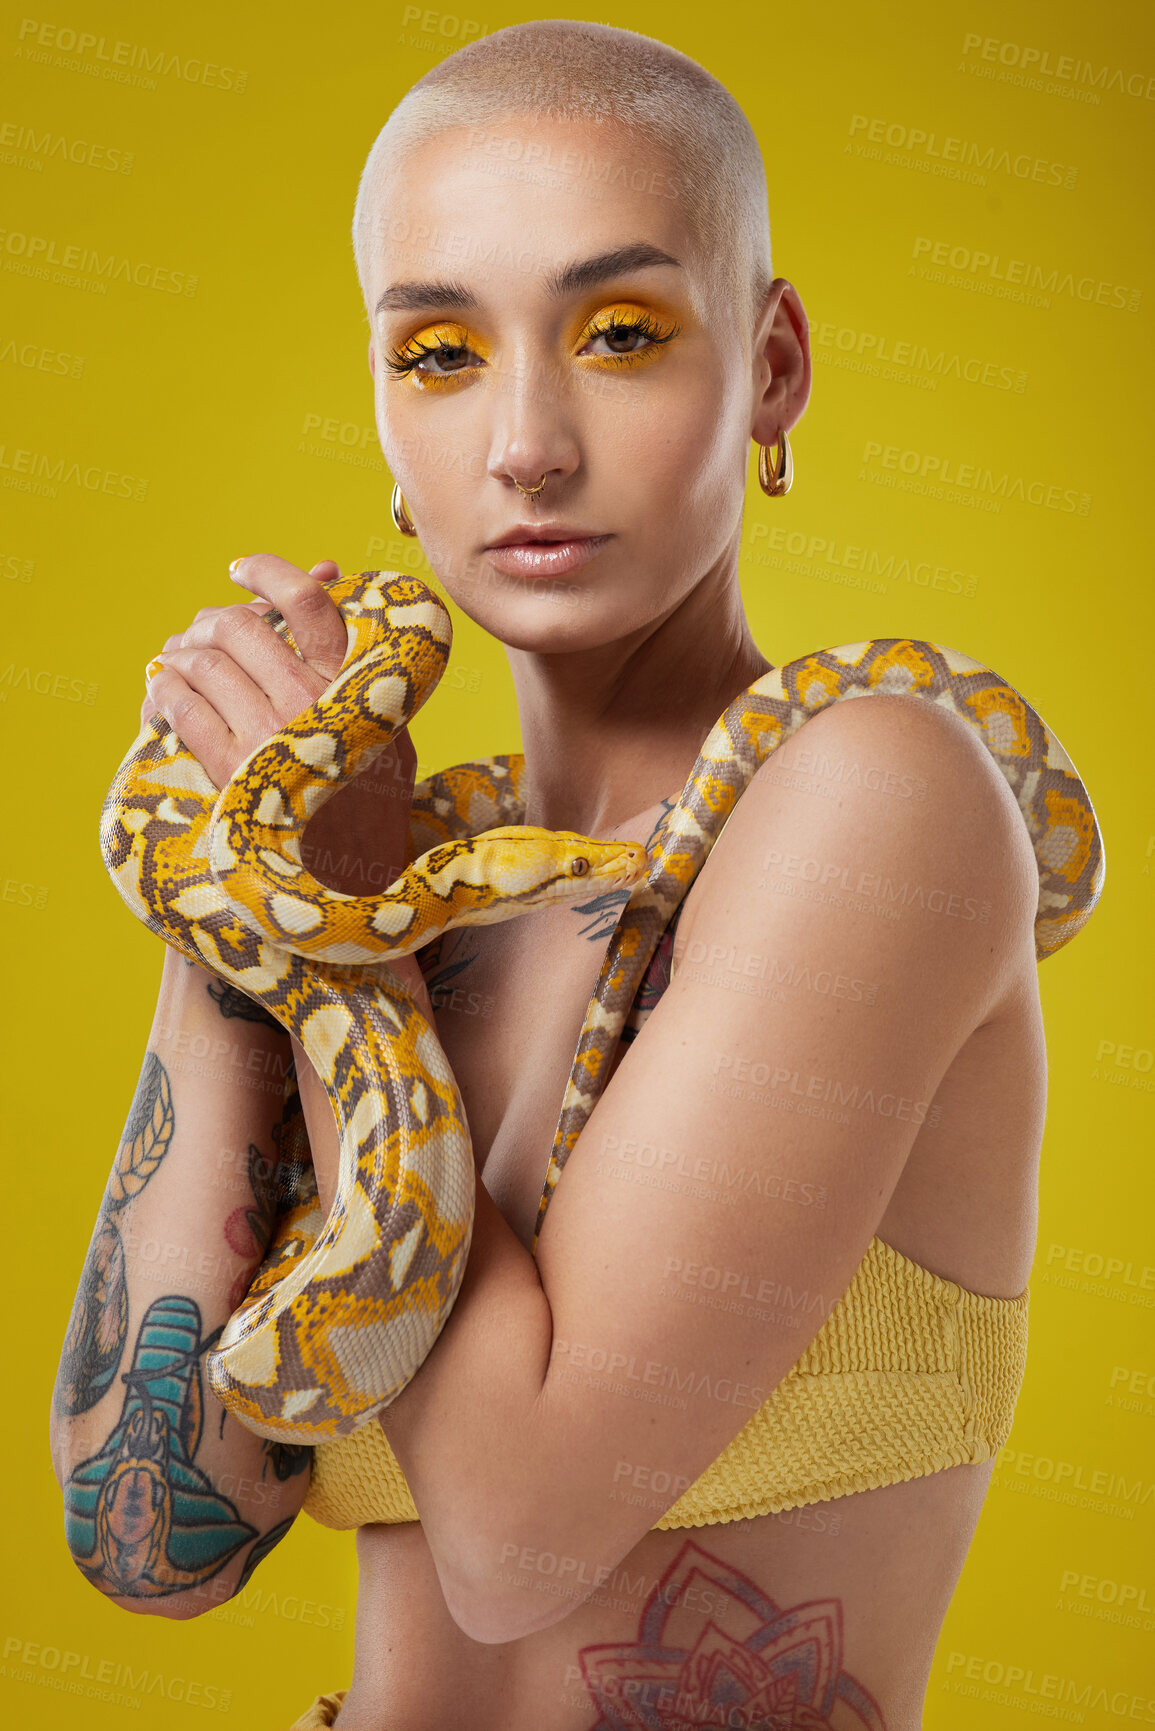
[569, 279]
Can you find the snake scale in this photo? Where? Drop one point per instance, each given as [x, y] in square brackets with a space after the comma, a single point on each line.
[283, 1361]
[1055, 805]
[339, 1319]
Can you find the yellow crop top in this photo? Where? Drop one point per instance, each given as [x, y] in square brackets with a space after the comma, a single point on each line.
[910, 1373]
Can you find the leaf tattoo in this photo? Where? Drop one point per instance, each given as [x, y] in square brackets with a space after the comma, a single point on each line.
[98, 1327]
[146, 1136]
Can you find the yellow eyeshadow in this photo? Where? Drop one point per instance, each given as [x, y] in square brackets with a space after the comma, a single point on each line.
[621, 315]
[631, 315]
[436, 336]
[622, 312]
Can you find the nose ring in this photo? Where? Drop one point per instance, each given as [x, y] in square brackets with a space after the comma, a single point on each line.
[530, 492]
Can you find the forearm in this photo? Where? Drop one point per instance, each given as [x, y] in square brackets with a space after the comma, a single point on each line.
[183, 1224]
[470, 1430]
[476, 1437]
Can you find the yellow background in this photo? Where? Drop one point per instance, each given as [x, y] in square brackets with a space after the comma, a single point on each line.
[218, 398]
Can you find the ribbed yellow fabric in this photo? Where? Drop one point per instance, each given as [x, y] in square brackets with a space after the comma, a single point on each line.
[909, 1374]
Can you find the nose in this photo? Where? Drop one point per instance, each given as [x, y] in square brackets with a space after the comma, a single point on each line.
[532, 439]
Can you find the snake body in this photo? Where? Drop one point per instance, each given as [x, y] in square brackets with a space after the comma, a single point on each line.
[357, 1479]
[307, 1356]
[342, 1314]
[1048, 790]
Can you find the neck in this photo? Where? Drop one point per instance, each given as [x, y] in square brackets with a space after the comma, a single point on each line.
[610, 732]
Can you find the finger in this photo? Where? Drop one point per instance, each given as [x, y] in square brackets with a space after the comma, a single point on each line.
[258, 606]
[196, 724]
[318, 629]
[176, 641]
[212, 676]
[148, 708]
[288, 683]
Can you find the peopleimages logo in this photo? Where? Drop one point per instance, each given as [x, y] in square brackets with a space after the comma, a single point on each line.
[1039, 63]
[946, 472]
[24, 146]
[111, 1680]
[123, 62]
[944, 152]
[914, 356]
[42, 256]
[1020, 272]
[1070, 1697]
[36, 472]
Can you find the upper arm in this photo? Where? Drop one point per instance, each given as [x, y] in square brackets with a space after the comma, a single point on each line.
[843, 940]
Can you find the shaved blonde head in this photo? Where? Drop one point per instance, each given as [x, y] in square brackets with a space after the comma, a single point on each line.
[566, 70]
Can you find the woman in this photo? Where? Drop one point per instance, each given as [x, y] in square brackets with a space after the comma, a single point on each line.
[575, 333]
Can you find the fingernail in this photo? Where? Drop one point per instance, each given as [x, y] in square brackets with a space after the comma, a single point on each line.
[152, 668]
[235, 563]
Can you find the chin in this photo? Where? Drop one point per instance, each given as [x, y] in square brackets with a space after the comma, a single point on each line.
[542, 624]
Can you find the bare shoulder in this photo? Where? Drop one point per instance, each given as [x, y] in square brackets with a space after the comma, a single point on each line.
[883, 828]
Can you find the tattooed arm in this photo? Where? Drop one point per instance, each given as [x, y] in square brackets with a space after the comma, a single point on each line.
[170, 1503]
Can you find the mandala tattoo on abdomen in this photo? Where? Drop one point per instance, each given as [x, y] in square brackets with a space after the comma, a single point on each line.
[755, 1666]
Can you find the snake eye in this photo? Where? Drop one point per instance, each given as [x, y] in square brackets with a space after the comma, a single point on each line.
[580, 867]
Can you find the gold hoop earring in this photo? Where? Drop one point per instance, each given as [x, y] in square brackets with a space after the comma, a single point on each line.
[777, 481]
[400, 511]
[531, 492]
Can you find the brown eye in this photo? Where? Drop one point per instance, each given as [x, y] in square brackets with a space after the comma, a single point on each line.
[415, 356]
[619, 334]
[580, 867]
[624, 327]
[452, 356]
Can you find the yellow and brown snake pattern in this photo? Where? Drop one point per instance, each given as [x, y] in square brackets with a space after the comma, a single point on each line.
[344, 1310]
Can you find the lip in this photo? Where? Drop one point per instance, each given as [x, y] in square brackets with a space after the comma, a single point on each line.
[523, 534]
[544, 550]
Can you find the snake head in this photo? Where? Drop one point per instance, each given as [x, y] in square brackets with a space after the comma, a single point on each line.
[570, 865]
[504, 872]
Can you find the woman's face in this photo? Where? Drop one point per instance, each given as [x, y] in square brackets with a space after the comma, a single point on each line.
[629, 385]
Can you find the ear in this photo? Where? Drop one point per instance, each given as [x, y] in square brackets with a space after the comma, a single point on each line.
[781, 362]
[372, 359]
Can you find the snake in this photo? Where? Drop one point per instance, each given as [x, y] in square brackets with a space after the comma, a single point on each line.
[339, 1318]
[638, 963]
[1051, 796]
[245, 897]
[1048, 790]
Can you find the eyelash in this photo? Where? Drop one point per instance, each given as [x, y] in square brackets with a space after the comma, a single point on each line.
[403, 360]
[618, 326]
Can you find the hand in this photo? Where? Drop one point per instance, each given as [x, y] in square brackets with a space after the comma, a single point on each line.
[229, 683]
